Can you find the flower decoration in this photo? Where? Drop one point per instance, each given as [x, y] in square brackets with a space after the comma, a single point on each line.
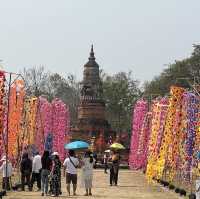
[43, 122]
[165, 149]
[60, 127]
[15, 114]
[192, 115]
[2, 111]
[159, 111]
[140, 110]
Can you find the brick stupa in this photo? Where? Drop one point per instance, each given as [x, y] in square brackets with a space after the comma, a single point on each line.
[92, 125]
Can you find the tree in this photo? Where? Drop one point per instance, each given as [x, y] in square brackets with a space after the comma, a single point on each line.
[182, 73]
[69, 91]
[35, 80]
[120, 91]
[39, 82]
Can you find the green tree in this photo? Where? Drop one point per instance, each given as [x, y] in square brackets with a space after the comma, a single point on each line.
[66, 89]
[41, 83]
[120, 91]
[181, 73]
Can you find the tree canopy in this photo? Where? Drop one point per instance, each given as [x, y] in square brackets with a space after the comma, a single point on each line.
[52, 85]
[120, 91]
[181, 73]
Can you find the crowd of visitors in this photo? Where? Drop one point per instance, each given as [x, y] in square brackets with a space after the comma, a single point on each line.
[46, 171]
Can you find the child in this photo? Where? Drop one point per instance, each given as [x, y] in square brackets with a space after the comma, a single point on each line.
[87, 172]
[6, 178]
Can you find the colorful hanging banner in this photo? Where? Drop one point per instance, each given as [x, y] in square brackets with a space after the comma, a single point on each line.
[16, 103]
[139, 113]
[166, 149]
[44, 123]
[192, 122]
[2, 112]
[159, 111]
[60, 126]
[29, 122]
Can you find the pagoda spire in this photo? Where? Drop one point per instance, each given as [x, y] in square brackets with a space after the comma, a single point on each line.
[92, 57]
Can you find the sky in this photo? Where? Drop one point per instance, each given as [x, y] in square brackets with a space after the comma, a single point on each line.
[139, 35]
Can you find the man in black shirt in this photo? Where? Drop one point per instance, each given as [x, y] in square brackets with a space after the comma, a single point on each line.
[26, 169]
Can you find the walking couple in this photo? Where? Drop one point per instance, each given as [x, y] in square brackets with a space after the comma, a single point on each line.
[71, 164]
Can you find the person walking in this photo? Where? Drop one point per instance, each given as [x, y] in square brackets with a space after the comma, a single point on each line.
[46, 169]
[95, 160]
[87, 172]
[36, 171]
[26, 169]
[70, 168]
[114, 169]
[6, 177]
[198, 175]
[56, 175]
[105, 162]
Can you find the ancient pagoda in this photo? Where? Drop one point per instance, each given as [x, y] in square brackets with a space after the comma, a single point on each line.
[92, 125]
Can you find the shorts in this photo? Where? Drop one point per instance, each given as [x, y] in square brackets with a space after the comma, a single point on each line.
[71, 178]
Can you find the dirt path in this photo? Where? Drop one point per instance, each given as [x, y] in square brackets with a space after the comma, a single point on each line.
[132, 185]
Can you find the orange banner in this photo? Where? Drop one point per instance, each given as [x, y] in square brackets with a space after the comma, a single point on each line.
[16, 101]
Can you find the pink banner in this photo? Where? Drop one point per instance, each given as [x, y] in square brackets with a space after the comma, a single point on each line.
[140, 111]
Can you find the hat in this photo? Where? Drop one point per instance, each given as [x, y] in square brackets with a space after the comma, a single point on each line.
[55, 153]
[3, 158]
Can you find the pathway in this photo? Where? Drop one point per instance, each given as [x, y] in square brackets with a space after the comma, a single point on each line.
[132, 185]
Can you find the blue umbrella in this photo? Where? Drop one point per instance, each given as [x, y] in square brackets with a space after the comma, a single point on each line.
[76, 145]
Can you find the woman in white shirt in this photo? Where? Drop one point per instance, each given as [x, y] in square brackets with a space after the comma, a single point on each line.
[6, 178]
[87, 172]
